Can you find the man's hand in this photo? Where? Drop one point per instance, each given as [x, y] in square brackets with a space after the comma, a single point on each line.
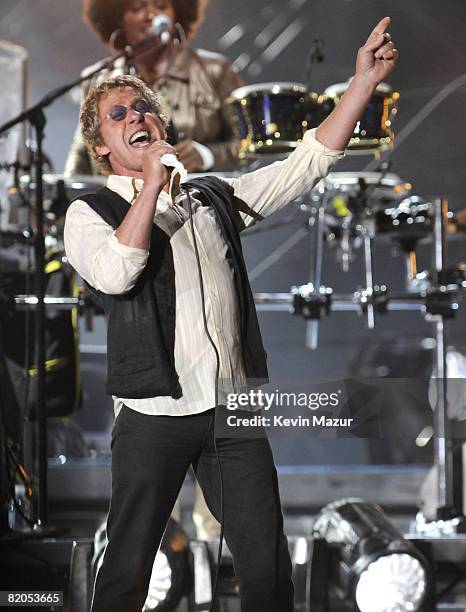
[377, 57]
[189, 156]
[156, 175]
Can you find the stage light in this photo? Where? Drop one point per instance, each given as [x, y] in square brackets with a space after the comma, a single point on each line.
[371, 564]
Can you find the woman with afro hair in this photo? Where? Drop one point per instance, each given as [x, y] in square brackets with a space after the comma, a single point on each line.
[193, 83]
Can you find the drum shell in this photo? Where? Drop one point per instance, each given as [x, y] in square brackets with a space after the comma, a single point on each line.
[272, 119]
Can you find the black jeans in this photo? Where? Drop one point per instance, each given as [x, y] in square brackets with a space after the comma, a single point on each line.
[150, 458]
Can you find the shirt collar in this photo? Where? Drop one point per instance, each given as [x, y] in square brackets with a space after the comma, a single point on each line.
[129, 188]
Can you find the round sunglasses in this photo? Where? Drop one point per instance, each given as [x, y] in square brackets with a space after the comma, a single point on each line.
[119, 111]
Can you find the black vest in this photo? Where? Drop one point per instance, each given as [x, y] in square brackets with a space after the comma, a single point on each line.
[141, 323]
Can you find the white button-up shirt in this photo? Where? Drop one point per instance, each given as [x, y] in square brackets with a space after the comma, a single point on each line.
[112, 267]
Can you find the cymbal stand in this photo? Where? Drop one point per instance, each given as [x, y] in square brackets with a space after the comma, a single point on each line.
[312, 325]
[442, 442]
[367, 296]
[368, 292]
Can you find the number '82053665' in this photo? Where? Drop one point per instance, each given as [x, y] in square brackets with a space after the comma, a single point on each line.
[31, 598]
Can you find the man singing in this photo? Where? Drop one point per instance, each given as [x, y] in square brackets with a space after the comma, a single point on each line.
[183, 332]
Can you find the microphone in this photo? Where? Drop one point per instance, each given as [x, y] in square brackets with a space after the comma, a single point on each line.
[161, 26]
[172, 162]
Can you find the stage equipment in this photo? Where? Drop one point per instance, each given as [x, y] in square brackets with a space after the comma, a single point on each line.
[171, 577]
[271, 118]
[371, 564]
[353, 205]
[438, 303]
[373, 131]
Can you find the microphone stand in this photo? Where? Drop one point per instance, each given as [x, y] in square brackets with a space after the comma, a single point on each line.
[315, 55]
[36, 117]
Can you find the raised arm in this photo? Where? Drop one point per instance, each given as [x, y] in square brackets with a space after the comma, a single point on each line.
[375, 61]
[269, 189]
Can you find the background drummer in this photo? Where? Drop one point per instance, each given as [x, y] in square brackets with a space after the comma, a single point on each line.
[193, 82]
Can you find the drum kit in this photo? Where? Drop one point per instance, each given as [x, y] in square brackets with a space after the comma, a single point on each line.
[348, 211]
[271, 118]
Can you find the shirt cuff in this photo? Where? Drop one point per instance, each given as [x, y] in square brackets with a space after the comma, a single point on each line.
[139, 256]
[310, 139]
[208, 160]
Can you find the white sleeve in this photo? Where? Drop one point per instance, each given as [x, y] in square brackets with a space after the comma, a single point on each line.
[271, 188]
[96, 254]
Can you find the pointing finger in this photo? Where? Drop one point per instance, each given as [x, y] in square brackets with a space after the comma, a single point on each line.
[378, 35]
[380, 27]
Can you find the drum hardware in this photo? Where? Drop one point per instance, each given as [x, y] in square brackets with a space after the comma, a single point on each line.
[353, 203]
[455, 277]
[375, 297]
[438, 303]
[346, 205]
[407, 223]
[309, 303]
[369, 291]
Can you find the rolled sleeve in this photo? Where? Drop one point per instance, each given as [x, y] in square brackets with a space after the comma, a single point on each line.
[96, 254]
[127, 252]
[310, 140]
[271, 188]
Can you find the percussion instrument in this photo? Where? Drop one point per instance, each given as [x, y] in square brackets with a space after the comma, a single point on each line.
[373, 131]
[409, 221]
[271, 118]
[353, 202]
[382, 188]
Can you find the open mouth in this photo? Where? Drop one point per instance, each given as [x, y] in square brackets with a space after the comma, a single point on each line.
[140, 139]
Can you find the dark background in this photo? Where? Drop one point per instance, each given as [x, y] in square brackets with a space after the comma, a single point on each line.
[430, 37]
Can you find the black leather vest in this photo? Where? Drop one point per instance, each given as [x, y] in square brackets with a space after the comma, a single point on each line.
[141, 323]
